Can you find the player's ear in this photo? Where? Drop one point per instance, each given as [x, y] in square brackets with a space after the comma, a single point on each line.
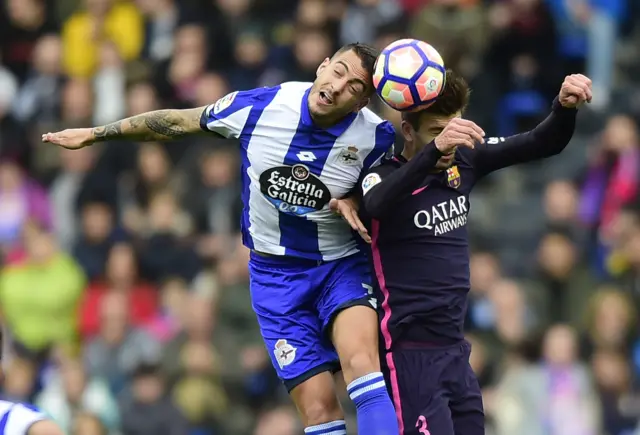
[408, 133]
[322, 66]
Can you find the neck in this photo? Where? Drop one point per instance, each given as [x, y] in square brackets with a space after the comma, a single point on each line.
[407, 154]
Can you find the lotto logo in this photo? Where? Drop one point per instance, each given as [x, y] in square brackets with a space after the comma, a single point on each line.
[306, 156]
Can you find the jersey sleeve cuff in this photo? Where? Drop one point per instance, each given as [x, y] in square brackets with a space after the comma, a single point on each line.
[559, 108]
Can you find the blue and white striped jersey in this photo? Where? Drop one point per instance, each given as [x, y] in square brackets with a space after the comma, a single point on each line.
[16, 418]
[291, 168]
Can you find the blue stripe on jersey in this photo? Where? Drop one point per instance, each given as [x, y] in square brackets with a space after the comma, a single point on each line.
[385, 138]
[260, 103]
[299, 233]
[241, 99]
[4, 421]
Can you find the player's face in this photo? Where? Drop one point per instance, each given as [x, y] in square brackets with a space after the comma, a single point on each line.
[342, 86]
[430, 127]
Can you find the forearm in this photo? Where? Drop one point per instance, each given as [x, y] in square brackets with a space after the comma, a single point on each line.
[401, 182]
[548, 138]
[159, 125]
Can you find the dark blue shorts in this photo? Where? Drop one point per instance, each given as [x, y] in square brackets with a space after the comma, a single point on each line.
[296, 300]
[434, 390]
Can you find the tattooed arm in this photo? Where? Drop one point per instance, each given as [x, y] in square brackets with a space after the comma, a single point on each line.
[160, 125]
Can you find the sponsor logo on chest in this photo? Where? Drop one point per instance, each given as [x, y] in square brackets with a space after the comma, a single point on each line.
[294, 189]
[444, 216]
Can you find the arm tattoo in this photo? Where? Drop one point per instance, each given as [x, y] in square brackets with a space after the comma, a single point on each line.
[110, 130]
[151, 126]
[164, 123]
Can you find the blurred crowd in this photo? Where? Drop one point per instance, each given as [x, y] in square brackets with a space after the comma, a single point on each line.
[124, 284]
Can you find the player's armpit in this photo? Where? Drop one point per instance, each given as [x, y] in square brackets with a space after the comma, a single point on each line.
[389, 183]
[159, 125]
[548, 138]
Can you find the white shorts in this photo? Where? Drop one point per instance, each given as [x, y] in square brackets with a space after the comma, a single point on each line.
[16, 419]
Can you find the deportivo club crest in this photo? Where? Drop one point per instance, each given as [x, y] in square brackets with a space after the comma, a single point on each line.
[284, 353]
[349, 156]
[453, 177]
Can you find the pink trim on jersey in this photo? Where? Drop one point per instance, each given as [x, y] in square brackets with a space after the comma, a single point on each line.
[384, 326]
[418, 190]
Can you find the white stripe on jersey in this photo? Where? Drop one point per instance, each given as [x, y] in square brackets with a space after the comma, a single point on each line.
[16, 419]
[302, 167]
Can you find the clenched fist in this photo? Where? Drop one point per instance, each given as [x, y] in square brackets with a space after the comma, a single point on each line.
[575, 90]
[459, 132]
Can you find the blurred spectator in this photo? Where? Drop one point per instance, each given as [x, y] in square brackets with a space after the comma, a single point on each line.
[24, 23]
[611, 322]
[170, 316]
[100, 20]
[364, 16]
[85, 423]
[153, 176]
[70, 390]
[613, 178]
[109, 85]
[98, 235]
[279, 421]
[485, 273]
[121, 276]
[213, 202]
[21, 200]
[620, 404]
[165, 253]
[553, 397]
[20, 380]
[565, 283]
[39, 98]
[513, 316]
[40, 297]
[119, 347]
[561, 205]
[149, 411]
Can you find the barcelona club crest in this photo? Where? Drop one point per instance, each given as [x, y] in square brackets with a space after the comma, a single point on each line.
[453, 177]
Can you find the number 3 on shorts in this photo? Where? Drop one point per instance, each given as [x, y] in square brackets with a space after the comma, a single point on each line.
[421, 424]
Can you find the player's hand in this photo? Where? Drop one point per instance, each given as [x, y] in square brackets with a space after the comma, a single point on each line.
[575, 90]
[348, 209]
[459, 132]
[73, 139]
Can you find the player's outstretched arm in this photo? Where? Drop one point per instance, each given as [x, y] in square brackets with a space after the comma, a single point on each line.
[159, 125]
[548, 138]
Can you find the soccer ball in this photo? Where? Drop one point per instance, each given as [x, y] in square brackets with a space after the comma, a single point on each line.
[409, 75]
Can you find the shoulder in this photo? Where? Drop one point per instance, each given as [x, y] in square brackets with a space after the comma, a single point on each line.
[368, 121]
[377, 174]
[295, 87]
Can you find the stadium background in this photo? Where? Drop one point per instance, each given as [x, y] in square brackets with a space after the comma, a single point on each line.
[142, 239]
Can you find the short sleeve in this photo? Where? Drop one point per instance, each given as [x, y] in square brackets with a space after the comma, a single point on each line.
[228, 116]
[383, 148]
[375, 175]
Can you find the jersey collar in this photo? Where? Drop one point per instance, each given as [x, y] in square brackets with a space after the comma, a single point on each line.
[336, 130]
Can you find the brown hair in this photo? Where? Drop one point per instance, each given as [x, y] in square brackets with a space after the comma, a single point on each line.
[453, 99]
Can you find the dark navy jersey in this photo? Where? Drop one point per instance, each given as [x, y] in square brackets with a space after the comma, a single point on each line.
[418, 222]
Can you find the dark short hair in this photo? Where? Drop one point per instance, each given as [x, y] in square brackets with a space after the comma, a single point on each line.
[367, 54]
[453, 99]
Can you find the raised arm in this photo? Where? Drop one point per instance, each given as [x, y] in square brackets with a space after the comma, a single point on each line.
[159, 125]
[548, 138]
